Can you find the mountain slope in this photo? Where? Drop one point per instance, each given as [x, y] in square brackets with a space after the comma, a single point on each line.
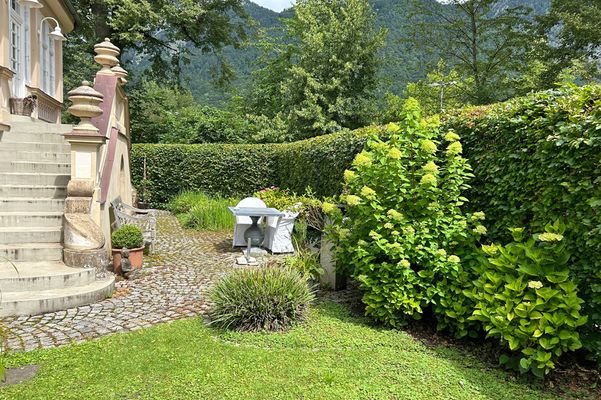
[402, 63]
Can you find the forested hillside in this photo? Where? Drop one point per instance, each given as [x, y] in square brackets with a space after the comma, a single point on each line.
[402, 61]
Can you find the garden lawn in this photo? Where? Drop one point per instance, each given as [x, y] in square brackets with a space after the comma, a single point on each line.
[333, 356]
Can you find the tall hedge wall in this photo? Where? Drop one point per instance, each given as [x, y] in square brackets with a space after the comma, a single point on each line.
[240, 170]
[537, 159]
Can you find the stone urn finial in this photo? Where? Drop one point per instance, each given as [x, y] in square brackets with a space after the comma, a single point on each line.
[121, 73]
[106, 55]
[85, 106]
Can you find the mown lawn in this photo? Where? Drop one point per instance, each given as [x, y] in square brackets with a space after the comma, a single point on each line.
[334, 356]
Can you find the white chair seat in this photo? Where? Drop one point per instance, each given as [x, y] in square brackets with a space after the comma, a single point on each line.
[278, 235]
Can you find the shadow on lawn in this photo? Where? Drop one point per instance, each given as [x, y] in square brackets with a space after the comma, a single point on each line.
[469, 358]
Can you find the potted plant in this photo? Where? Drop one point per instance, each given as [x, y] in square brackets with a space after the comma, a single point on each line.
[128, 249]
[23, 106]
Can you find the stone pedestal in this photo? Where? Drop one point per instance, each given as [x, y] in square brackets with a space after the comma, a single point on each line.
[84, 241]
[330, 279]
[97, 259]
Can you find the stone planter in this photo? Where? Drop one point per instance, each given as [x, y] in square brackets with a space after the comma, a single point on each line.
[136, 257]
[22, 106]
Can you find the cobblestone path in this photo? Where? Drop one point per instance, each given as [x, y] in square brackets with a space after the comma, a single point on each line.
[171, 286]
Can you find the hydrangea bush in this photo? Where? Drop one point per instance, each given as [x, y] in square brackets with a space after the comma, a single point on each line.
[403, 235]
[525, 296]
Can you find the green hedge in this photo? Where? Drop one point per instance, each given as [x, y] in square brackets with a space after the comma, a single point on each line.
[537, 159]
[240, 170]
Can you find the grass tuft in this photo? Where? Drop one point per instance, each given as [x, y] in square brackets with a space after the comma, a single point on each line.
[269, 298]
[199, 211]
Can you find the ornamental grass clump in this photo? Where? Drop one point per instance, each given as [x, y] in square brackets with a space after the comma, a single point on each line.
[269, 298]
[404, 235]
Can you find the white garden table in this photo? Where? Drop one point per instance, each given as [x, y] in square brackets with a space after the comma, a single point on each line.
[254, 235]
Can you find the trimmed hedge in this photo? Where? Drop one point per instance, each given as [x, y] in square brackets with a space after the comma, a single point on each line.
[239, 170]
[537, 159]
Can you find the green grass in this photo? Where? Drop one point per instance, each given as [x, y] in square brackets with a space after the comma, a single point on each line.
[334, 356]
[200, 211]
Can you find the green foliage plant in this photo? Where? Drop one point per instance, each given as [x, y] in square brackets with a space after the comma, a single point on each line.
[305, 261]
[404, 235]
[200, 211]
[127, 237]
[308, 205]
[536, 159]
[269, 298]
[525, 296]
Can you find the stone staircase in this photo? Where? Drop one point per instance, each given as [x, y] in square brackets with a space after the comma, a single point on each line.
[34, 173]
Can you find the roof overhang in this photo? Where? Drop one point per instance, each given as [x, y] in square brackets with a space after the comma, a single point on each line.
[64, 12]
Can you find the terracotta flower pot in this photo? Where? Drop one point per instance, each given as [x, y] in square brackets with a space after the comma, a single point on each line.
[135, 257]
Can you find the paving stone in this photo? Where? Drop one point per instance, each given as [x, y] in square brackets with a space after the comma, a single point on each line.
[171, 286]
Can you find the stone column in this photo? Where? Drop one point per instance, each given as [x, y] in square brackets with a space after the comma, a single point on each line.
[84, 241]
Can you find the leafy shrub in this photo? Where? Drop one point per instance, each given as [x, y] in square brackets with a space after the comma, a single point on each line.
[127, 237]
[524, 296]
[307, 205]
[536, 159]
[199, 211]
[240, 170]
[404, 235]
[306, 262]
[269, 298]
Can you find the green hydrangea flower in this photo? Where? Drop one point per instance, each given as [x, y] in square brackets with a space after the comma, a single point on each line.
[353, 200]
[393, 128]
[454, 149]
[428, 146]
[535, 284]
[328, 208]
[349, 176]
[362, 159]
[405, 263]
[454, 259]
[395, 215]
[395, 154]
[428, 180]
[478, 216]
[368, 192]
[550, 237]
[430, 168]
[451, 136]
[481, 229]
[491, 250]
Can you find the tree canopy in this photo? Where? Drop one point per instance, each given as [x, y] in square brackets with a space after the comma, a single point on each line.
[322, 78]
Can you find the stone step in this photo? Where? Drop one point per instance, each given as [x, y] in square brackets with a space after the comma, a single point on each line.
[46, 192]
[31, 252]
[35, 166]
[31, 276]
[33, 178]
[19, 234]
[31, 204]
[44, 301]
[39, 156]
[21, 123]
[31, 219]
[14, 136]
[36, 147]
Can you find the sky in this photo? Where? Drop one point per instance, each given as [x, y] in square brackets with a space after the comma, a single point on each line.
[275, 5]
